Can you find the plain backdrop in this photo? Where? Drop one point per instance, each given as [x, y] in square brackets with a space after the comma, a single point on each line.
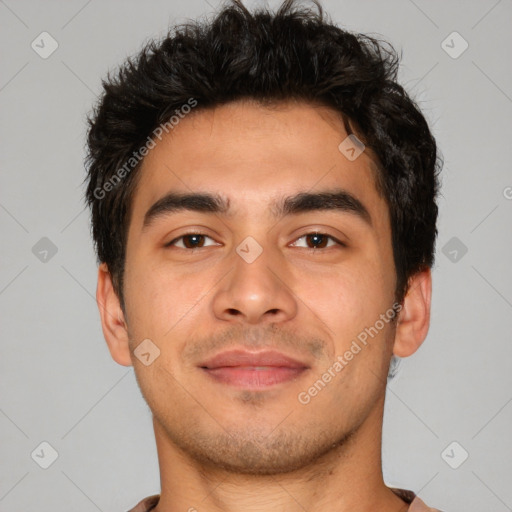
[59, 386]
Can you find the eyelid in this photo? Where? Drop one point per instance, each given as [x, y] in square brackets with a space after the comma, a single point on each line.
[333, 238]
[183, 235]
[311, 232]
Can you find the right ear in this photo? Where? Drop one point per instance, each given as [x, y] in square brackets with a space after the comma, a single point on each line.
[113, 323]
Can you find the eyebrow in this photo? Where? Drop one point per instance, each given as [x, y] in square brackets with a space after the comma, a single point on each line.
[330, 200]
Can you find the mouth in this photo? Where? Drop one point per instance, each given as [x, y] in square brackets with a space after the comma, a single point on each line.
[250, 370]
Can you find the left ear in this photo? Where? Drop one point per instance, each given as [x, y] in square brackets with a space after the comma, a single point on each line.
[414, 318]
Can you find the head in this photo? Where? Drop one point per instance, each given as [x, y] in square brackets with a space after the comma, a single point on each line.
[238, 130]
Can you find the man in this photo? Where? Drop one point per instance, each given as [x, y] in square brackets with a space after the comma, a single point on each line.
[263, 208]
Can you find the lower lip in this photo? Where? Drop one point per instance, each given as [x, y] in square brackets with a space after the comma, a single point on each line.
[248, 377]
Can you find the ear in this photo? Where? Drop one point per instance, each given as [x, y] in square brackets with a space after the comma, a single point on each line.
[113, 323]
[414, 317]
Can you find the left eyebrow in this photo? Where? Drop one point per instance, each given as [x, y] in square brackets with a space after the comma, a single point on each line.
[338, 200]
[335, 200]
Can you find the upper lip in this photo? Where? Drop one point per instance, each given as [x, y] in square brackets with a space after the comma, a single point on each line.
[240, 357]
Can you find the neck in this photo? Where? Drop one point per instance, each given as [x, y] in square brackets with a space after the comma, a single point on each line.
[347, 478]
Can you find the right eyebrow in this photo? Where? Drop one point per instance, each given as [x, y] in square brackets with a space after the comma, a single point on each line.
[175, 202]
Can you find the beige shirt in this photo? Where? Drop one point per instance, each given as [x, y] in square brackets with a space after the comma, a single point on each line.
[409, 497]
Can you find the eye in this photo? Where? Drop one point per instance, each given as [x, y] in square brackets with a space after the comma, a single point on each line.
[190, 241]
[319, 241]
[196, 241]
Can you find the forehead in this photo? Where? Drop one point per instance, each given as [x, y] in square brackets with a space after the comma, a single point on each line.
[253, 155]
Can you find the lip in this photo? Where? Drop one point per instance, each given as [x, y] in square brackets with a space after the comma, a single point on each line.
[253, 370]
[247, 358]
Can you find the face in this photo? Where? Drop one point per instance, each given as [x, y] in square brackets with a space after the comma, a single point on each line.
[256, 302]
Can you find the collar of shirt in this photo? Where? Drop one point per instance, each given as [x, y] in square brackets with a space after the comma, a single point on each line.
[417, 505]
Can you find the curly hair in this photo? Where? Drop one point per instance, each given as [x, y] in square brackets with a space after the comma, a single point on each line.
[293, 53]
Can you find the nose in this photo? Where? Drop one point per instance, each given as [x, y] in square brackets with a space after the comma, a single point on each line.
[255, 292]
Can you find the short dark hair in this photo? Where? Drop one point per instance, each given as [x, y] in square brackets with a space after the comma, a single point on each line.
[293, 54]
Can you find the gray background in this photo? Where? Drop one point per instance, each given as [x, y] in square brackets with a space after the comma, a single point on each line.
[58, 382]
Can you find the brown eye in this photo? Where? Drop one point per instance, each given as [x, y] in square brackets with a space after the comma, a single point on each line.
[190, 241]
[318, 241]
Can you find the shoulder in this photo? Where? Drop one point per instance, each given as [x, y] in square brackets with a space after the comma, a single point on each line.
[146, 504]
[418, 505]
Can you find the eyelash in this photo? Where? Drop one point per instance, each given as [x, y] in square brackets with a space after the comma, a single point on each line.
[314, 249]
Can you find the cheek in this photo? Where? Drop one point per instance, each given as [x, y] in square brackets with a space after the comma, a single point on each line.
[348, 299]
[350, 289]
[162, 300]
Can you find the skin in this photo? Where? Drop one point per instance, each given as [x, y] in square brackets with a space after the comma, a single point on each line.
[223, 448]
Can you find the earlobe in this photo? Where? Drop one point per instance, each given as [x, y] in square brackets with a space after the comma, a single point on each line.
[113, 323]
[414, 318]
